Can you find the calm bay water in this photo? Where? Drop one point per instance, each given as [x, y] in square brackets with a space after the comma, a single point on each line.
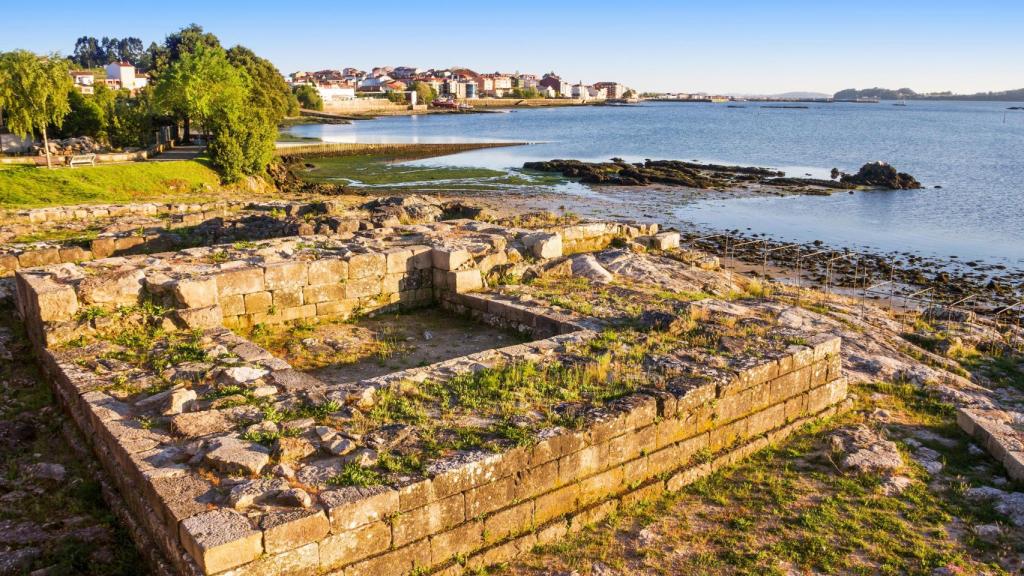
[973, 150]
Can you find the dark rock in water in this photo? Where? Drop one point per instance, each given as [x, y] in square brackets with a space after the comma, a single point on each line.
[670, 172]
[881, 175]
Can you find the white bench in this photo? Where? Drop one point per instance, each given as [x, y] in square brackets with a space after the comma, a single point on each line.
[89, 159]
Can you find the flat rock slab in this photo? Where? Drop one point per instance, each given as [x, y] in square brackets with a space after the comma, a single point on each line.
[236, 456]
[221, 539]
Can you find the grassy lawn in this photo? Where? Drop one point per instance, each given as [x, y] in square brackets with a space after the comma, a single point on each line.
[29, 187]
[382, 171]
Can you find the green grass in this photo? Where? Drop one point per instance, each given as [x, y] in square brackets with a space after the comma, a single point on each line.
[385, 171]
[30, 187]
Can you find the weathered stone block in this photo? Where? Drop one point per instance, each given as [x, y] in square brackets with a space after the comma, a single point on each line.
[449, 258]
[257, 302]
[395, 563]
[323, 293]
[489, 497]
[288, 298]
[240, 281]
[362, 287]
[460, 281]
[518, 518]
[351, 507]
[220, 539]
[281, 275]
[41, 257]
[117, 288]
[349, 546]
[369, 265]
[298, 562]
[200, 318]
[460, 540]
[235, 456]
[233, 305]
[197, 293]
[556, 503]
[430, 519]
[285, 530]
[544, 245]
[327, 271]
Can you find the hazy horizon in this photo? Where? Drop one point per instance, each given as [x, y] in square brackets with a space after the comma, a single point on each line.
[742, 48]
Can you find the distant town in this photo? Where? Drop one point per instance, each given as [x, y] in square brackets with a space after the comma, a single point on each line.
[451, 84]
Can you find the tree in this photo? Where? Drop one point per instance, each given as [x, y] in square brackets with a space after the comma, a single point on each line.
[204, 86]
[36, 93]
[86, 117]
[187, 40]
[88, 53]
[269, 90]
[189, 86]
[425, 93]
[308, 97]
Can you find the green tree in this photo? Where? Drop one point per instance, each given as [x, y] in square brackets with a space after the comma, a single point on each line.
[269, 90]
[35, 94]
[308, 97]
[86, 117]
[189, 86]
[425, 93]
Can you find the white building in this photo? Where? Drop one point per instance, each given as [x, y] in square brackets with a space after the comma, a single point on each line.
[83, 81]
[122, 75]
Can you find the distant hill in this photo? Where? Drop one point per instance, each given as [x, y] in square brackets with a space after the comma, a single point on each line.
[794, 95]
[908, 94]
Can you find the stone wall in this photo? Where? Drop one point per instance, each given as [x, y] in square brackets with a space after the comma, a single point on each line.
[474, 509]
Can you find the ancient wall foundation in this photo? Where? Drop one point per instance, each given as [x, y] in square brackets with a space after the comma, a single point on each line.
[185, 438]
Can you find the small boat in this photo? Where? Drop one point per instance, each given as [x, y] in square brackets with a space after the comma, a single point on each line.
[900, 102]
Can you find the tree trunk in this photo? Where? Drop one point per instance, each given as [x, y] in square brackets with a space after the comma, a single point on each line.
[188, 132]
[46, 147]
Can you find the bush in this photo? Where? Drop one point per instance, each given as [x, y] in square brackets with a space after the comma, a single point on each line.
[309, 98]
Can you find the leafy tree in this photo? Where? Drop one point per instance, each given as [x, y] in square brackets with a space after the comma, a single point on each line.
[269, 90]
[425, 93]
[397, 97]
[35, 94]
[156, 56]
[88, 53]
[525, 93]
[204, 86]
[189, 87]
[188, 40]
[86, 117]
[308, 97]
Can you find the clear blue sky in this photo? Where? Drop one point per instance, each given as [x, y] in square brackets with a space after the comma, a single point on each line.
[737, 46]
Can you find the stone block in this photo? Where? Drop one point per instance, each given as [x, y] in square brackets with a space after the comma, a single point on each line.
[258, 302]
[543, 245]
[196, 293]
[343, 308]
[460, 281]
[323, 293]
[459, 541]
[349, 546]
[116, 288]
[449, 258]
[200, 318]
[74, 254]
[240, 281]
[220, 539]
[592, 515]
[538, 479]
[288, 298]
[489, 497]
[582, 463]
[330, 271]
[351, 507]
[285, 530]
[556, 503]
[600, 486]
[235, 456]
[232, 305]
[41, 257]
[363, 287]
[412, 558]
[429, 519]
[281, 275]
[369, 265]
[504, 523]
[301, 561]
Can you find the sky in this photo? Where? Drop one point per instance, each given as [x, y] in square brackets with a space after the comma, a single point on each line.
[741, 46]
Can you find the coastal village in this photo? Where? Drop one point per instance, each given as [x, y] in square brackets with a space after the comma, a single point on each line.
[226, 350]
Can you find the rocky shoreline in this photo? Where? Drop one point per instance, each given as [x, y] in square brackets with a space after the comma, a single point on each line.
[618, 172]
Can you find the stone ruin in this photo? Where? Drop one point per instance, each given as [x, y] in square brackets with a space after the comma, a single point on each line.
[232, 462]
